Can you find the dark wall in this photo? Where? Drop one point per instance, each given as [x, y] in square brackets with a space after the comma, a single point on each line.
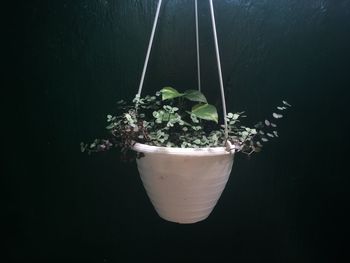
[72, 60]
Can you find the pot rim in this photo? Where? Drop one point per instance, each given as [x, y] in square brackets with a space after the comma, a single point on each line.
[207, 151]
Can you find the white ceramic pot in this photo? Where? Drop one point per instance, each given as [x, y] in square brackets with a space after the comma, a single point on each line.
[184, 184]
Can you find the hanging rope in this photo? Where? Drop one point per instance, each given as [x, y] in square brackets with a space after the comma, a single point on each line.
[219, 67]
[197, 44]
[198, 59]
[149, 48]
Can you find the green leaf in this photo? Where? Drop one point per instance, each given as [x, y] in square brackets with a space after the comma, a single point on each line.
[170, 93]
[156, 114]
[166, 116]
[235, 116]
[206, 112]
[259, 144]
[270, 135]
[195, 95]
[277, 116]
[197, 141]
[257, 149]
[110, 126]
[82, 147]
[286, 103]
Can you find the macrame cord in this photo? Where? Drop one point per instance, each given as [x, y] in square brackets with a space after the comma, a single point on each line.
[212, 14]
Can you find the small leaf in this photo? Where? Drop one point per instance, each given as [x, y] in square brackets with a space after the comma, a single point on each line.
[197, 141]
[235, 116]
[166, 116]
[167, 108]
[169, 144]
[257, 149]
[267, 123]
[205, 112]
[258, 125]
[195, 95]
[196, 128]
[82, 147]
[170, 93]
[275, 133]
[273, 125]
[277, 116]
[281, 108]
[270, 135]
[264, 139]
[128, 118]
[110, 126]
[286, 103]
[245, 134]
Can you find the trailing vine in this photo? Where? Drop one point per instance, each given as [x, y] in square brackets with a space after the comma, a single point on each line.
[186, 120]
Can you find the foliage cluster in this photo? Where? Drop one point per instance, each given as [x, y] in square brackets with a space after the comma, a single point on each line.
[181, 119]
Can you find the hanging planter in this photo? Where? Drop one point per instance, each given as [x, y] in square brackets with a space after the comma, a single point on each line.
[184, 156]
[184, 184]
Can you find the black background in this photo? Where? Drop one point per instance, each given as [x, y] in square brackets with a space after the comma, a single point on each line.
[70, 61]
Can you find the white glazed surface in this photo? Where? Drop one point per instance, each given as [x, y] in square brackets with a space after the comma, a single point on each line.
[184, 185]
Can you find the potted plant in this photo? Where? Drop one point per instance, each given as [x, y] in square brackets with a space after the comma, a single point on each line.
[184, 156]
